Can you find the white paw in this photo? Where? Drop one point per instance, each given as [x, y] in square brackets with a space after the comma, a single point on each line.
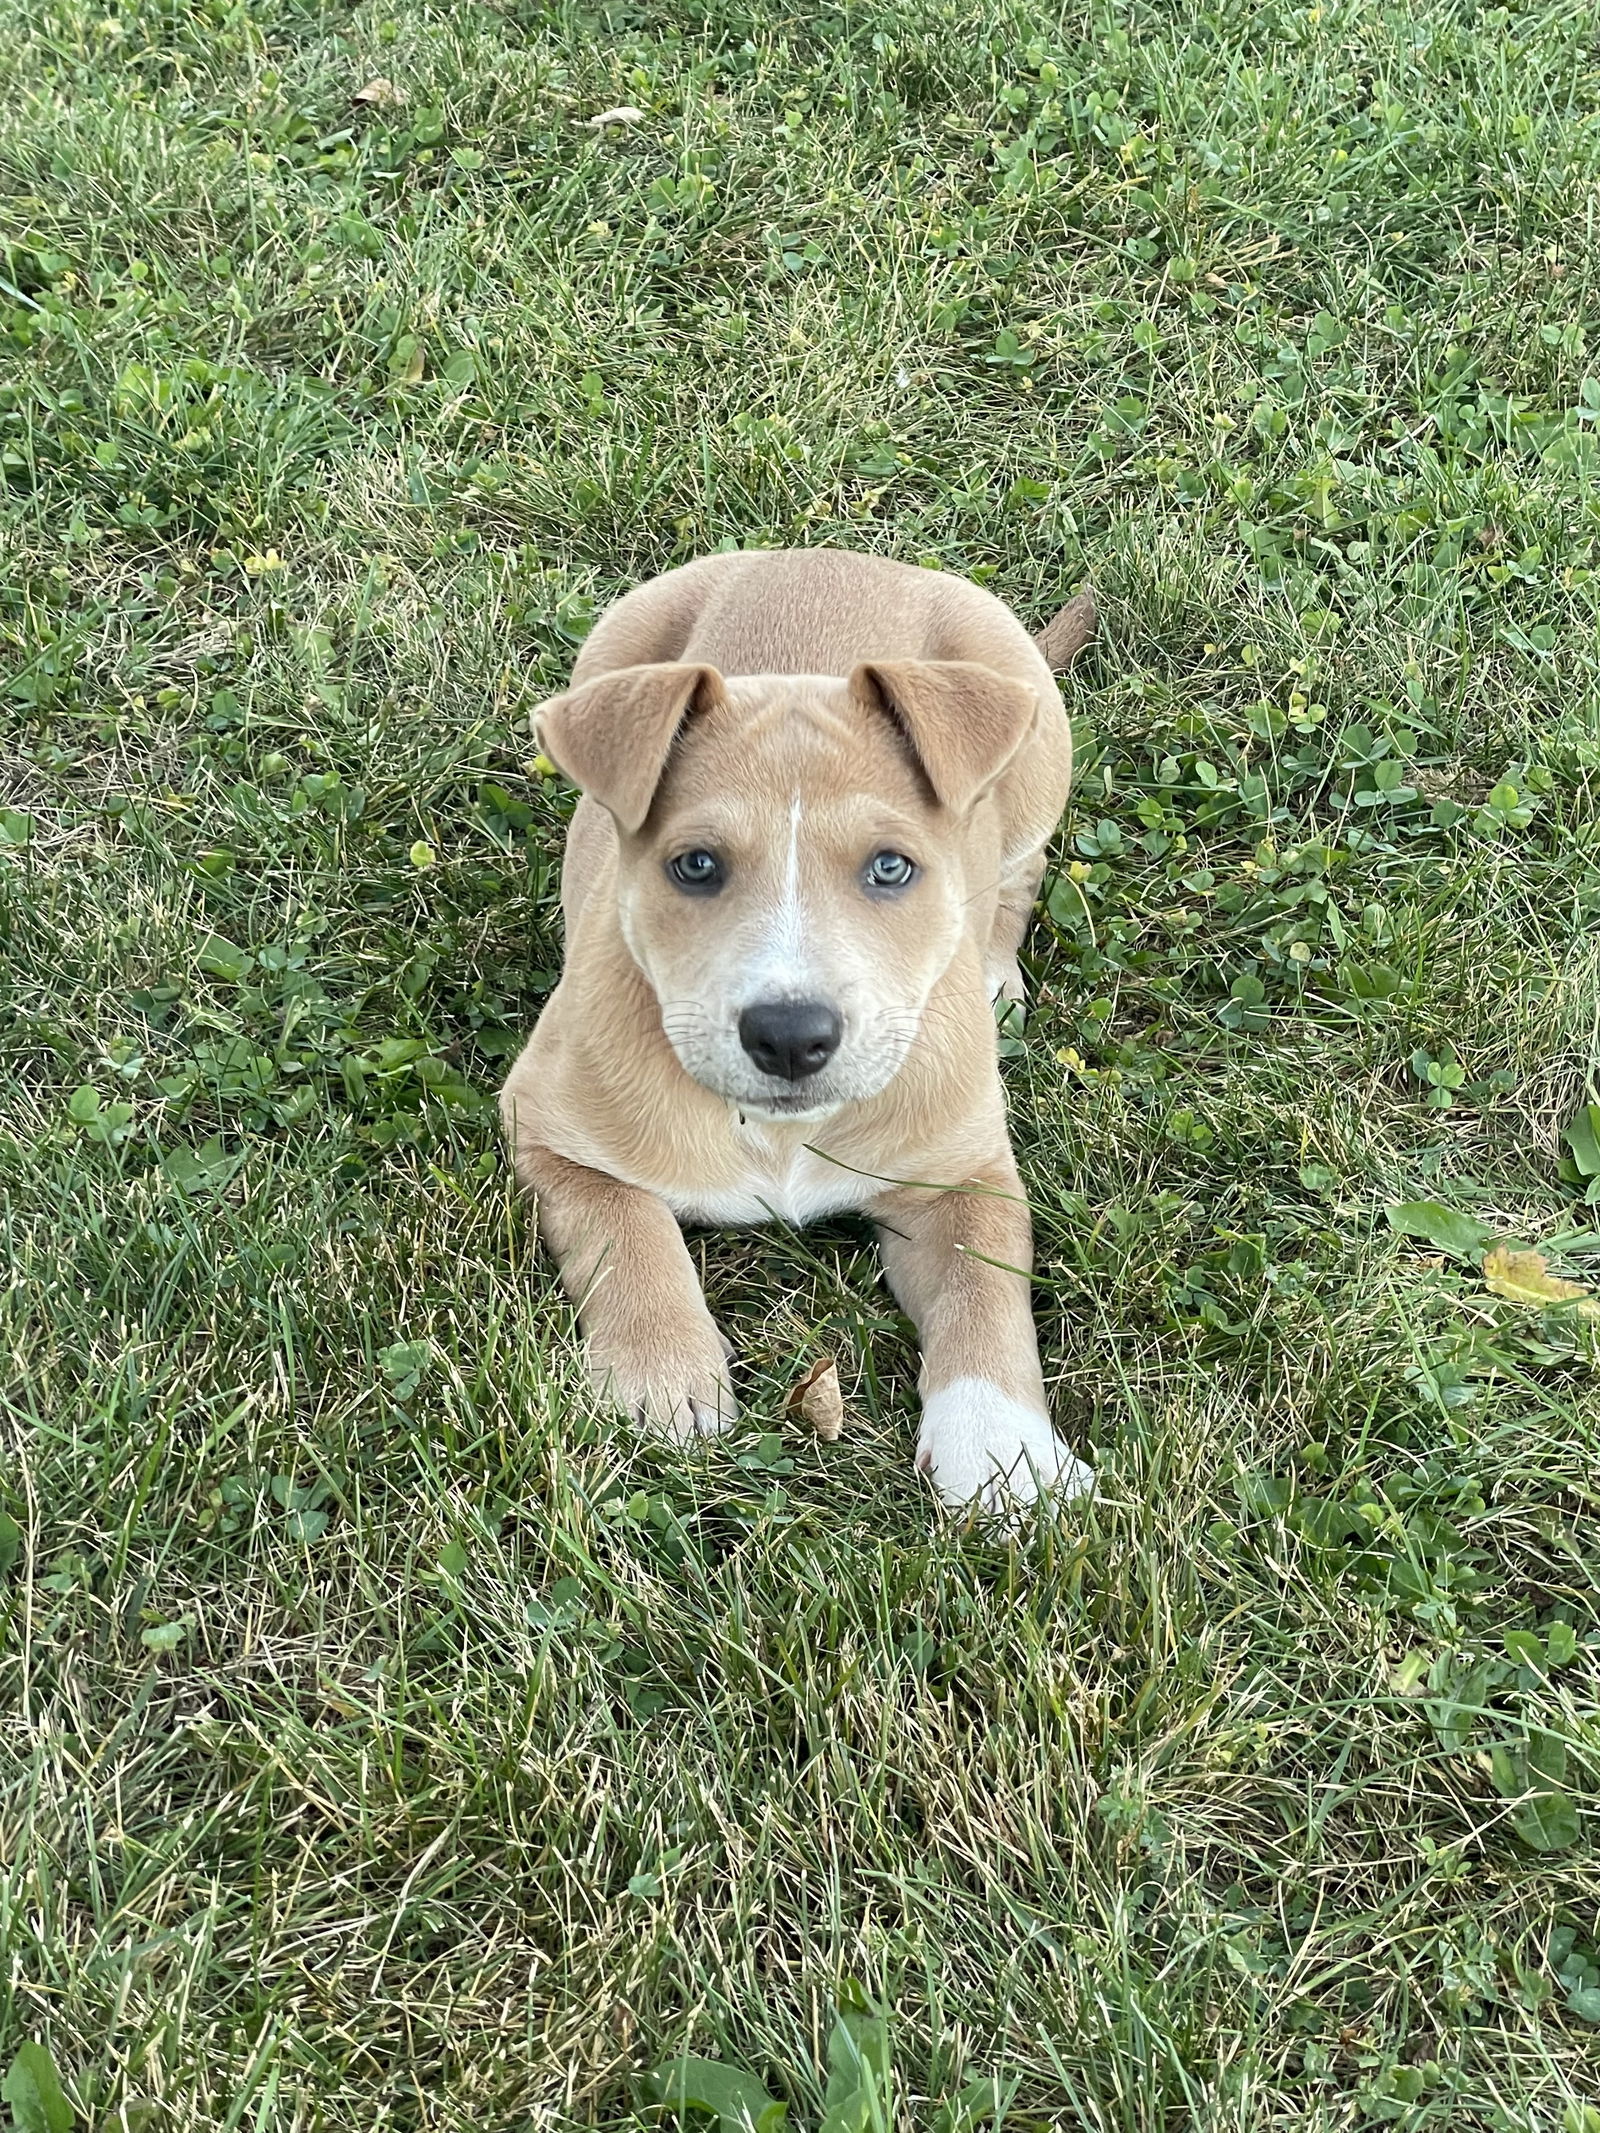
[673, 1389]
[983, 1449]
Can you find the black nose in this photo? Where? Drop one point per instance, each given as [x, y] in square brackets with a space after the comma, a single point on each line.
[790, 1038]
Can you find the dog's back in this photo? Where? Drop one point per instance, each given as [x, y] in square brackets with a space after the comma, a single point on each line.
[823, 610]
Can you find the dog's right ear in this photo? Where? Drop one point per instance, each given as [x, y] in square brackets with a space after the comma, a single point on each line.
[613, 735]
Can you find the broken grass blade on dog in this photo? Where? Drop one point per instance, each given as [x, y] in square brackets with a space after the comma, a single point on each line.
[970, 1186]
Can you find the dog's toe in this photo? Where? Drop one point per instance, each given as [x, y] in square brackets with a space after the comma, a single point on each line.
[985, 1451]
[711, 1417]
[678, 1390]
[671, 1410]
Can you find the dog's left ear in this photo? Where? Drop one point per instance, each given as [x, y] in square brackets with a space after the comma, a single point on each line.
[962, 722]
[613, 735]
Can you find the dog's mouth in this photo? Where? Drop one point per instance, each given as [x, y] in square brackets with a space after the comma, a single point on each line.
[794, 1108]
[854, 1075]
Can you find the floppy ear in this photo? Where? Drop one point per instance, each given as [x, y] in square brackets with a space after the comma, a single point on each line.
[963, 722]
[613, 735]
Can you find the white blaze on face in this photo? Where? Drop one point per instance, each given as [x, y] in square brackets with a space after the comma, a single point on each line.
[778, 967]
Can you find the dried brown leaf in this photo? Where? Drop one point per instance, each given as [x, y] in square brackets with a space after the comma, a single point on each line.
[818, 1399]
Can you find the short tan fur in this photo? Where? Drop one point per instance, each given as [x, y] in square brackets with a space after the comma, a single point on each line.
[817, 789]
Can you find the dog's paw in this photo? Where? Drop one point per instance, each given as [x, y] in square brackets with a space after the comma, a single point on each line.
[675, 1386]
[985, 1451]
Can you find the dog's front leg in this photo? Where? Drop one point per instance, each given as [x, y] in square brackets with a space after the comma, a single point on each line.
[958, 1260]
[651, 1344]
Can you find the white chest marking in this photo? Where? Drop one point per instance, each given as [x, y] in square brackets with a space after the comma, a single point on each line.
[796, 1187]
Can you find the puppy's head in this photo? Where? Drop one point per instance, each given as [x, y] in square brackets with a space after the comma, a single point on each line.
[794, 857]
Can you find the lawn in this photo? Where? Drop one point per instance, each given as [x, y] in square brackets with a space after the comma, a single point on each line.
[388, 1741]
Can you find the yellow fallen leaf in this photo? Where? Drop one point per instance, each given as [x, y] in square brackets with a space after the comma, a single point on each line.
[817, 1397]
[1525, 1278]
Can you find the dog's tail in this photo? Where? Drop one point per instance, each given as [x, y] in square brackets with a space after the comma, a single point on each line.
[1066, 634]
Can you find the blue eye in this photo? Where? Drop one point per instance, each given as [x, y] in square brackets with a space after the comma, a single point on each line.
[890, 870]
[697, 870]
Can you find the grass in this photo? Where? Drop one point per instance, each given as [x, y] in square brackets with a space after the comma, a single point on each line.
[388, 1742]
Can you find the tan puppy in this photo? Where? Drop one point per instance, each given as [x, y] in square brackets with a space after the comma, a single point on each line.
[816, 793]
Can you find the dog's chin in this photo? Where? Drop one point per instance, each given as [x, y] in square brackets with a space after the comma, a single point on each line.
[808, 1103]
[763, 1100]
[782, 1103]
[796, 1107]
